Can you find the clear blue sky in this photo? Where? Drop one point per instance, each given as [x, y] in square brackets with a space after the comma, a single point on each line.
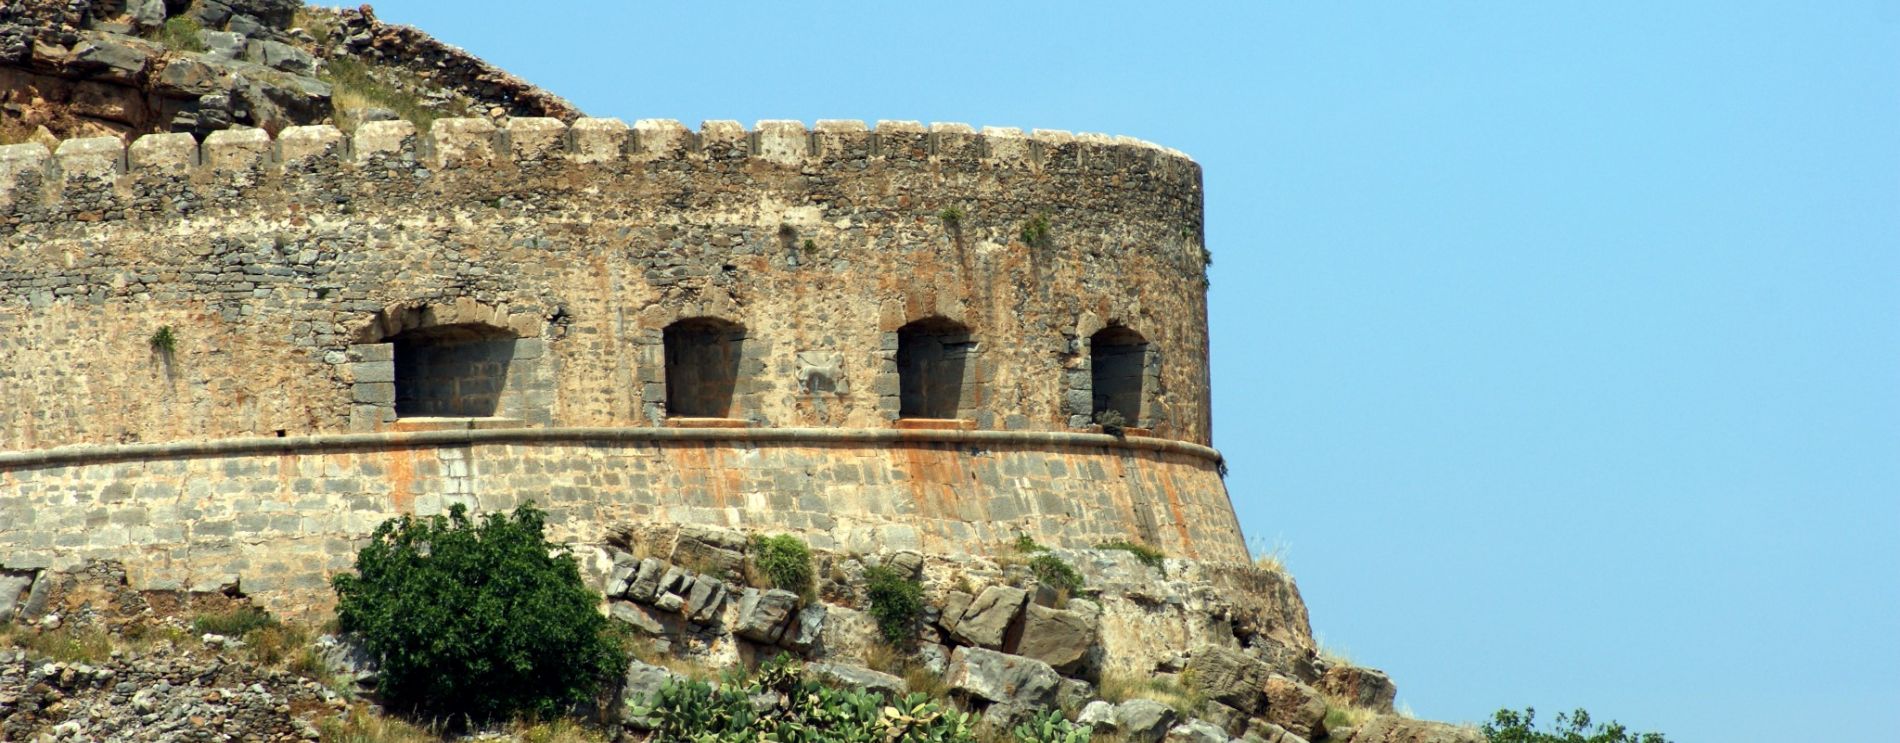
[1558, 345]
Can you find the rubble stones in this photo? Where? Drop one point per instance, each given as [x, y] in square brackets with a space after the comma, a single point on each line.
[1099, 716]
[1197, 731]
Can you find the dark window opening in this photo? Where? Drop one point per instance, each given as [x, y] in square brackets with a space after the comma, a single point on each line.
[702, 367]
[931, 358]
[1118, 362]
[452, 371]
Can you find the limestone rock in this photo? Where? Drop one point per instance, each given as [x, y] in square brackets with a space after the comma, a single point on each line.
[1144, 720]
[1224, 717]
[1295, 706]
[1267, 732]
[764, 616]
[1197, 731]
[986, 622]
[1228, 676]
[637, 617]
[642, 680]
[1363, 687]
[808, 627]
[999, 677]
[1098, 716]
[345, 658]
[1395, 729]
[1059, 638]
[13, 588]
[855, 677]
[110, 60]
[646, 580]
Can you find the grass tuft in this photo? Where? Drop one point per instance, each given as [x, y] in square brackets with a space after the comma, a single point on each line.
[1147, 555]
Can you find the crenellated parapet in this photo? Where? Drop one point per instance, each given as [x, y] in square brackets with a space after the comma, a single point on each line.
[95, 173]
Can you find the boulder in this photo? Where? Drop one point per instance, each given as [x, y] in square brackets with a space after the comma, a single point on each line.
[1059, 638]
[13, 588]
[1224, 717]
[720, 552]
[1227, 676]
[1197, 731]
[638, 617]
[1295, 706]
[704, 599]
[641, 681]
[1395, 729]
[999, 677]
[222, 45]
[808, 627]
[764, 616]
[148, 13]
[933, 658]
[955, 604]
[280, 56]
[619, 578]
[855, 677]
[1098, 716]
[1267, 732]
[1362, 687]
[1073, 693]
[1144, 720]
[986, 623]
[347, 660]
[646, 580]
[109, 60]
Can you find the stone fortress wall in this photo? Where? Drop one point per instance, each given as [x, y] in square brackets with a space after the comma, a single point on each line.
[237, 356]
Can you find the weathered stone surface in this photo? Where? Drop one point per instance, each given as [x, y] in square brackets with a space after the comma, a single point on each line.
[642, 680]
[1227, 676]
[637, 617]
[998, 677]
[1099, 716]
[857, 677]
[764, 616]
[1295, 706]
[13, 588]
[986, 623]
[808, 628]
[1267, 732]
[1395, 729]
[646, 581]
[1197, 731]
[345, 658]
[1224, 717]
[1362, 687]
[1059, 638]
[1144, 720]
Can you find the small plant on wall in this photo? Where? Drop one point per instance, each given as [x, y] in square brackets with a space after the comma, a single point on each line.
[164, 344]
[1036, 232]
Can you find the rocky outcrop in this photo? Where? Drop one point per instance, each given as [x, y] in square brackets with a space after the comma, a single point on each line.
[77, 68]
[1394, 729]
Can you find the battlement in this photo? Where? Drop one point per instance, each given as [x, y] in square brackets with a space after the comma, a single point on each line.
[32, 176]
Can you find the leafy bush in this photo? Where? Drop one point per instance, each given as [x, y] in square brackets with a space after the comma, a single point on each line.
[952, 217]
[800, 710]
[1027, 545]
[1052, 727]
[1147, 555]
[896, 601]
[1055, 573]
[1509, 726]
[476, 622]
[785, 561]
[178, 33]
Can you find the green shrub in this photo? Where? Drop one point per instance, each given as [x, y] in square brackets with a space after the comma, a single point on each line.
[1052, 727]
[1147, 555]
[179, 33]
[896, 602]
[163, 340]
[1036, 233]
[237, 622]
[799, 709]
[952, 217]
[1510, 726]
[1056, 573]
[476, 621]
[784, 560]
[1027, 545]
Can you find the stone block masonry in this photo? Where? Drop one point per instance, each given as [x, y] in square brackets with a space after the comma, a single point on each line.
[285, 514]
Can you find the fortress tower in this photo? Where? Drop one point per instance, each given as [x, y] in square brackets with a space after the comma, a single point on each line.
[238, 357]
